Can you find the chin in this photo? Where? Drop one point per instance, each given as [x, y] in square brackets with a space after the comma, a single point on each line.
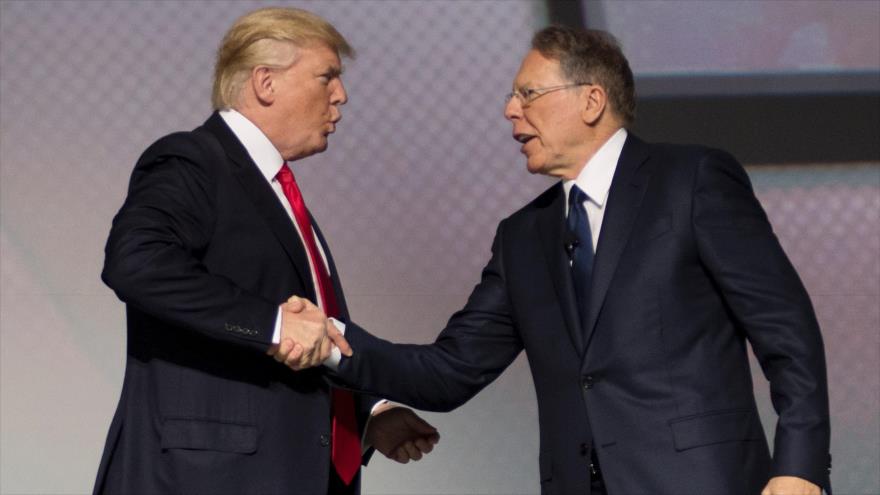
[535, 167]
[318, 148]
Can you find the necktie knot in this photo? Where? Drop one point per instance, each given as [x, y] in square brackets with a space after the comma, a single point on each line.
[576, 197]
[284, 175]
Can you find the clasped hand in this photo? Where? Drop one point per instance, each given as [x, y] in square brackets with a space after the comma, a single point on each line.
[307, 336]
[790, 485]
[399, 434]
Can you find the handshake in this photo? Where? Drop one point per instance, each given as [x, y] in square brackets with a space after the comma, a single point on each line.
[307, 339]
[307, 336]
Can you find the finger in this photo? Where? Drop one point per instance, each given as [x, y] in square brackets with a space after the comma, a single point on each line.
[400, 455]
[307, 304]
[293, 359]
[310, 355]
[272, 350]
[411, 450]
[295, 304]
[339, 340]
[284, 349]
[326, 347]
[322, 343]
[424, 445]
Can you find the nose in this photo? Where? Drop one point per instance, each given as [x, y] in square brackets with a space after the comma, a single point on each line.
[512, 109]
[339, 95]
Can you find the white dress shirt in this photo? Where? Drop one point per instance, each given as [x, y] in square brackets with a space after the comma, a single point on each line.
[595, 181]
[269, 161]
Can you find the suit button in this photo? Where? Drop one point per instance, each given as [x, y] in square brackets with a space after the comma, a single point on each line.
[325, 440]
[588, 382]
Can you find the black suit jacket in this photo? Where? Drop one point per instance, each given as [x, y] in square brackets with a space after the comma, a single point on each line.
[687, 271]
[202, 253]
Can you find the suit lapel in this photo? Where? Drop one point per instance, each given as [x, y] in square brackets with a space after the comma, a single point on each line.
[551, 225]
[264, 199]
[624, 199]
[334, 275]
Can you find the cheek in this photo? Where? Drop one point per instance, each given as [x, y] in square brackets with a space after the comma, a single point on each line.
[546, 134]
[542, 127]
[553, 131]
[310, 107]
[320, 113]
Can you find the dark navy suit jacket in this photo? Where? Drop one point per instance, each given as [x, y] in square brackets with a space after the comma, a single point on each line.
[202, 253]
[687, 272]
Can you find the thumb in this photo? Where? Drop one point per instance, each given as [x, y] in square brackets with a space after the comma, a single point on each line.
[295, 304]
[339, 340]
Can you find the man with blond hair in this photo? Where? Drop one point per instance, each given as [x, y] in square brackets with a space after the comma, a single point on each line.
[211, 242]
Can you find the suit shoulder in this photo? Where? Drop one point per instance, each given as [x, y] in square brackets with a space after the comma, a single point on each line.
[681, 170]
[192, 146]
[545, 198]
[688, 154]
[542, 201]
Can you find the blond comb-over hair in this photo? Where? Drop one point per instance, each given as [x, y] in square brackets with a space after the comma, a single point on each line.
[260, 38]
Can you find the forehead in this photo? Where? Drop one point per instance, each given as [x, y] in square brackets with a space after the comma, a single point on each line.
[536, 68]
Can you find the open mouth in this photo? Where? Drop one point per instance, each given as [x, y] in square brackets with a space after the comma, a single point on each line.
[523, 138]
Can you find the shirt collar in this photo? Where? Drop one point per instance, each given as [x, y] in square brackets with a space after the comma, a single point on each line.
[595, 178]
[258, 146]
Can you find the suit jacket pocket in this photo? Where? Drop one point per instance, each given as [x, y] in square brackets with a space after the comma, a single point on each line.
[194, 434]
[715, 427]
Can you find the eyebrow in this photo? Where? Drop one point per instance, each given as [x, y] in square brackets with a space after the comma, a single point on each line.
[334, 71]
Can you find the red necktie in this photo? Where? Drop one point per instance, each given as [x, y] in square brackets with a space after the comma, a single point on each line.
[346, 449]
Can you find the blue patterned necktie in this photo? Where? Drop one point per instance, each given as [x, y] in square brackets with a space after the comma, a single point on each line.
[580, 250]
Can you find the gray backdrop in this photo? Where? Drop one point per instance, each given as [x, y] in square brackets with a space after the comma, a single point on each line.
[409, 193]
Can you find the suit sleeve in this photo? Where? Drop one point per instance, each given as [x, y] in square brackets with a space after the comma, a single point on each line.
[478, 343]
[152, 256]
[771, 305]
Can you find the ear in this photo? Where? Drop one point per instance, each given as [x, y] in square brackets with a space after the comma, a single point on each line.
[595, 101]
[262, 82]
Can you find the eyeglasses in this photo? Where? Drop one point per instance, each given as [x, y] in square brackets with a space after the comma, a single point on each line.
[528, 95]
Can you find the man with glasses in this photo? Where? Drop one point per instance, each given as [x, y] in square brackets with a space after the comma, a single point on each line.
[633, 285]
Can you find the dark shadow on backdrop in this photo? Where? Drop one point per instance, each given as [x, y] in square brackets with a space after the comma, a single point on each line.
[827, 127]
[769, 129]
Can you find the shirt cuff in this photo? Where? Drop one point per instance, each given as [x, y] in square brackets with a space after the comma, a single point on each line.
[332, 362]
[364, 446]
[276, 334]
[381, 402]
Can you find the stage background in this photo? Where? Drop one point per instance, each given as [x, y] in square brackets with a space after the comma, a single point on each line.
[416, 178]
